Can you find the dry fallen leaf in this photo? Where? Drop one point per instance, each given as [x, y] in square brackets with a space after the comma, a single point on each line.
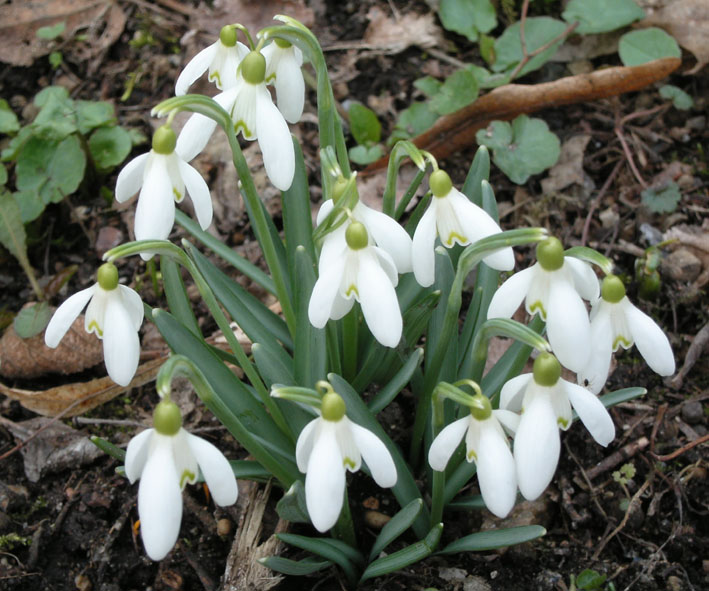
[80, 397]
[30, 358]
[394, 35]
[19, 22]
[569, 169]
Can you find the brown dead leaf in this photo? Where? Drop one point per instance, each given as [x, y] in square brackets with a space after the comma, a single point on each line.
[30, 358]
[393, 35]
[569, 169]
[688, 22]
[80, 397]
[20, 20]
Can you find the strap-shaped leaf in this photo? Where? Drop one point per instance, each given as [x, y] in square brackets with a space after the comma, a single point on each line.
[297, 568]
[479, 171]
[473, 502]
[396, 526]
[327, 549]
[250, 470]
[292, 506]
[613, 398]
[405, 556]
[176, 294]
[405, 489]
[271, 366]
[297, 216]
[382, 398]
[491, 540]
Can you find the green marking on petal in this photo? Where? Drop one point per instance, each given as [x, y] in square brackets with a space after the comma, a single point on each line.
[215, 76]
[563, 423]
[352, 289]
[471, 455]
[178, 196]
[348, 463]
[538, 307]
[187, 476]
[621, 340]
[241, 126]
[452, 237]
[93, 325]
[271, 78]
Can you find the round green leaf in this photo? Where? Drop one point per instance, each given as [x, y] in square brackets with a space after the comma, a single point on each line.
[680, 99]
[495, 136]
[51, 32]
[600, 16]
[109, 146]
[8, 119]
[459, 90]
[93, 114]
[364, 155]
[412, 121]
[538, 31]
[364, 125]
[32, 320]
[468, 17]
[647, 45]
[662, 200]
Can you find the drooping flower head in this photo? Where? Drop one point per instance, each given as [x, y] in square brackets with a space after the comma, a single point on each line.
[162, 176]
[253, 113]
[616, 322]
[545, 401]
[553, 288]
[283, 63]
[455, 219]
[486, 445]
[327, 447]
[165, 458]
[222, 59]
[114, 314]
[352, 268]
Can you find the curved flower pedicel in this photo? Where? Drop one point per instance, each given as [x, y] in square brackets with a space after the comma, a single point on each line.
[221, 58]
[486, 444]
[162, 176]
[114, 313]
[283, 62]
[328, 446]
[350, 269]
[545, 401]
[553, 288]
[165, 458]
[253, 113]
[615, 322]
[454, 219]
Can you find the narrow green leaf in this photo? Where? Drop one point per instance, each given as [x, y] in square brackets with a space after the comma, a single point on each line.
[177, 298]
[384, 397]
[479, 171]
[297, 216]
[474, 502]
[108, 448]
[405, 489]
[296, 568]
[292, 505]
[12, 230]
[405, 556]
[271, 365]
[613, 398]
[396, 526]
[250, 470]
[491, 540]
[323, 547]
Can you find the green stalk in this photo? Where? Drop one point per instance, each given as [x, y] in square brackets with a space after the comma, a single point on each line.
[350, 325]
[439, 478]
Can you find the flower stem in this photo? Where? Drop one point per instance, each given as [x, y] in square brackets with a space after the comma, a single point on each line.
[439, 478]
[349, 333]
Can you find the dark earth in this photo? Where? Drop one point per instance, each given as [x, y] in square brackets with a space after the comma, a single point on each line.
[74, 527]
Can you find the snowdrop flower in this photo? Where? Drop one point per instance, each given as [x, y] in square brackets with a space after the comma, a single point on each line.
[615, 322]
[353, 269]
[454, 219]
[486, 444]
[283, 62]
[545, 400]
[162, 176]
[553, 287]
[165, 458]
[114, 314]
[325, 448]
[254, 115]
[221, 59]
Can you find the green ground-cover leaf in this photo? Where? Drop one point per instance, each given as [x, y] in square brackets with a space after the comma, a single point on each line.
[8, 119]
[93, 114]
[640, 47]
[109, 147]
[32, 320]
[680, 99]
[600, 16]
[468, 17]
[663, 200]
[364, 124]
[538, 31]
[457, 91]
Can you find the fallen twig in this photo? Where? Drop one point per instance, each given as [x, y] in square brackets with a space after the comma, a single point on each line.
[624, 453]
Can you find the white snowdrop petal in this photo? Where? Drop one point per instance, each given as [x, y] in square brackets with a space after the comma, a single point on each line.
[585, 279]
[275, 141]
[121, 345]
[197, 66]
[325, 480]
[446, 443]
[155, 214]
[594, 374]
[388, 234]
[133, 305]
[137, 454]
[194, 136]
[568, 327]
[290, 89]
[496, 470]
[351, 456]
[536, 448]
[304, 445]
[510, 294]
[65, 315]
[130, 179]
[376, 454]
[508, 420]
[423, 258]
[652, 343]
[324, 292]
[512, 393]
[592, 413]
[216, 470]
[159, 500]
[340, 306]
[199, 193]
[380, 305]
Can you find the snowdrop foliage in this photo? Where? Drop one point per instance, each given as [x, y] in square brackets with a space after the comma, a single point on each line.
[165, 458]
[553, 288]
[615, 322]
[326, 448]
[162, 176]
[544, 400]
[114, 314]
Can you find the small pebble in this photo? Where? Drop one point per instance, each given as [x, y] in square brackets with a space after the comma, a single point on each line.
[375, 519]
[693, 412]
[82, 582]
[674, 583]
[224, 527]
